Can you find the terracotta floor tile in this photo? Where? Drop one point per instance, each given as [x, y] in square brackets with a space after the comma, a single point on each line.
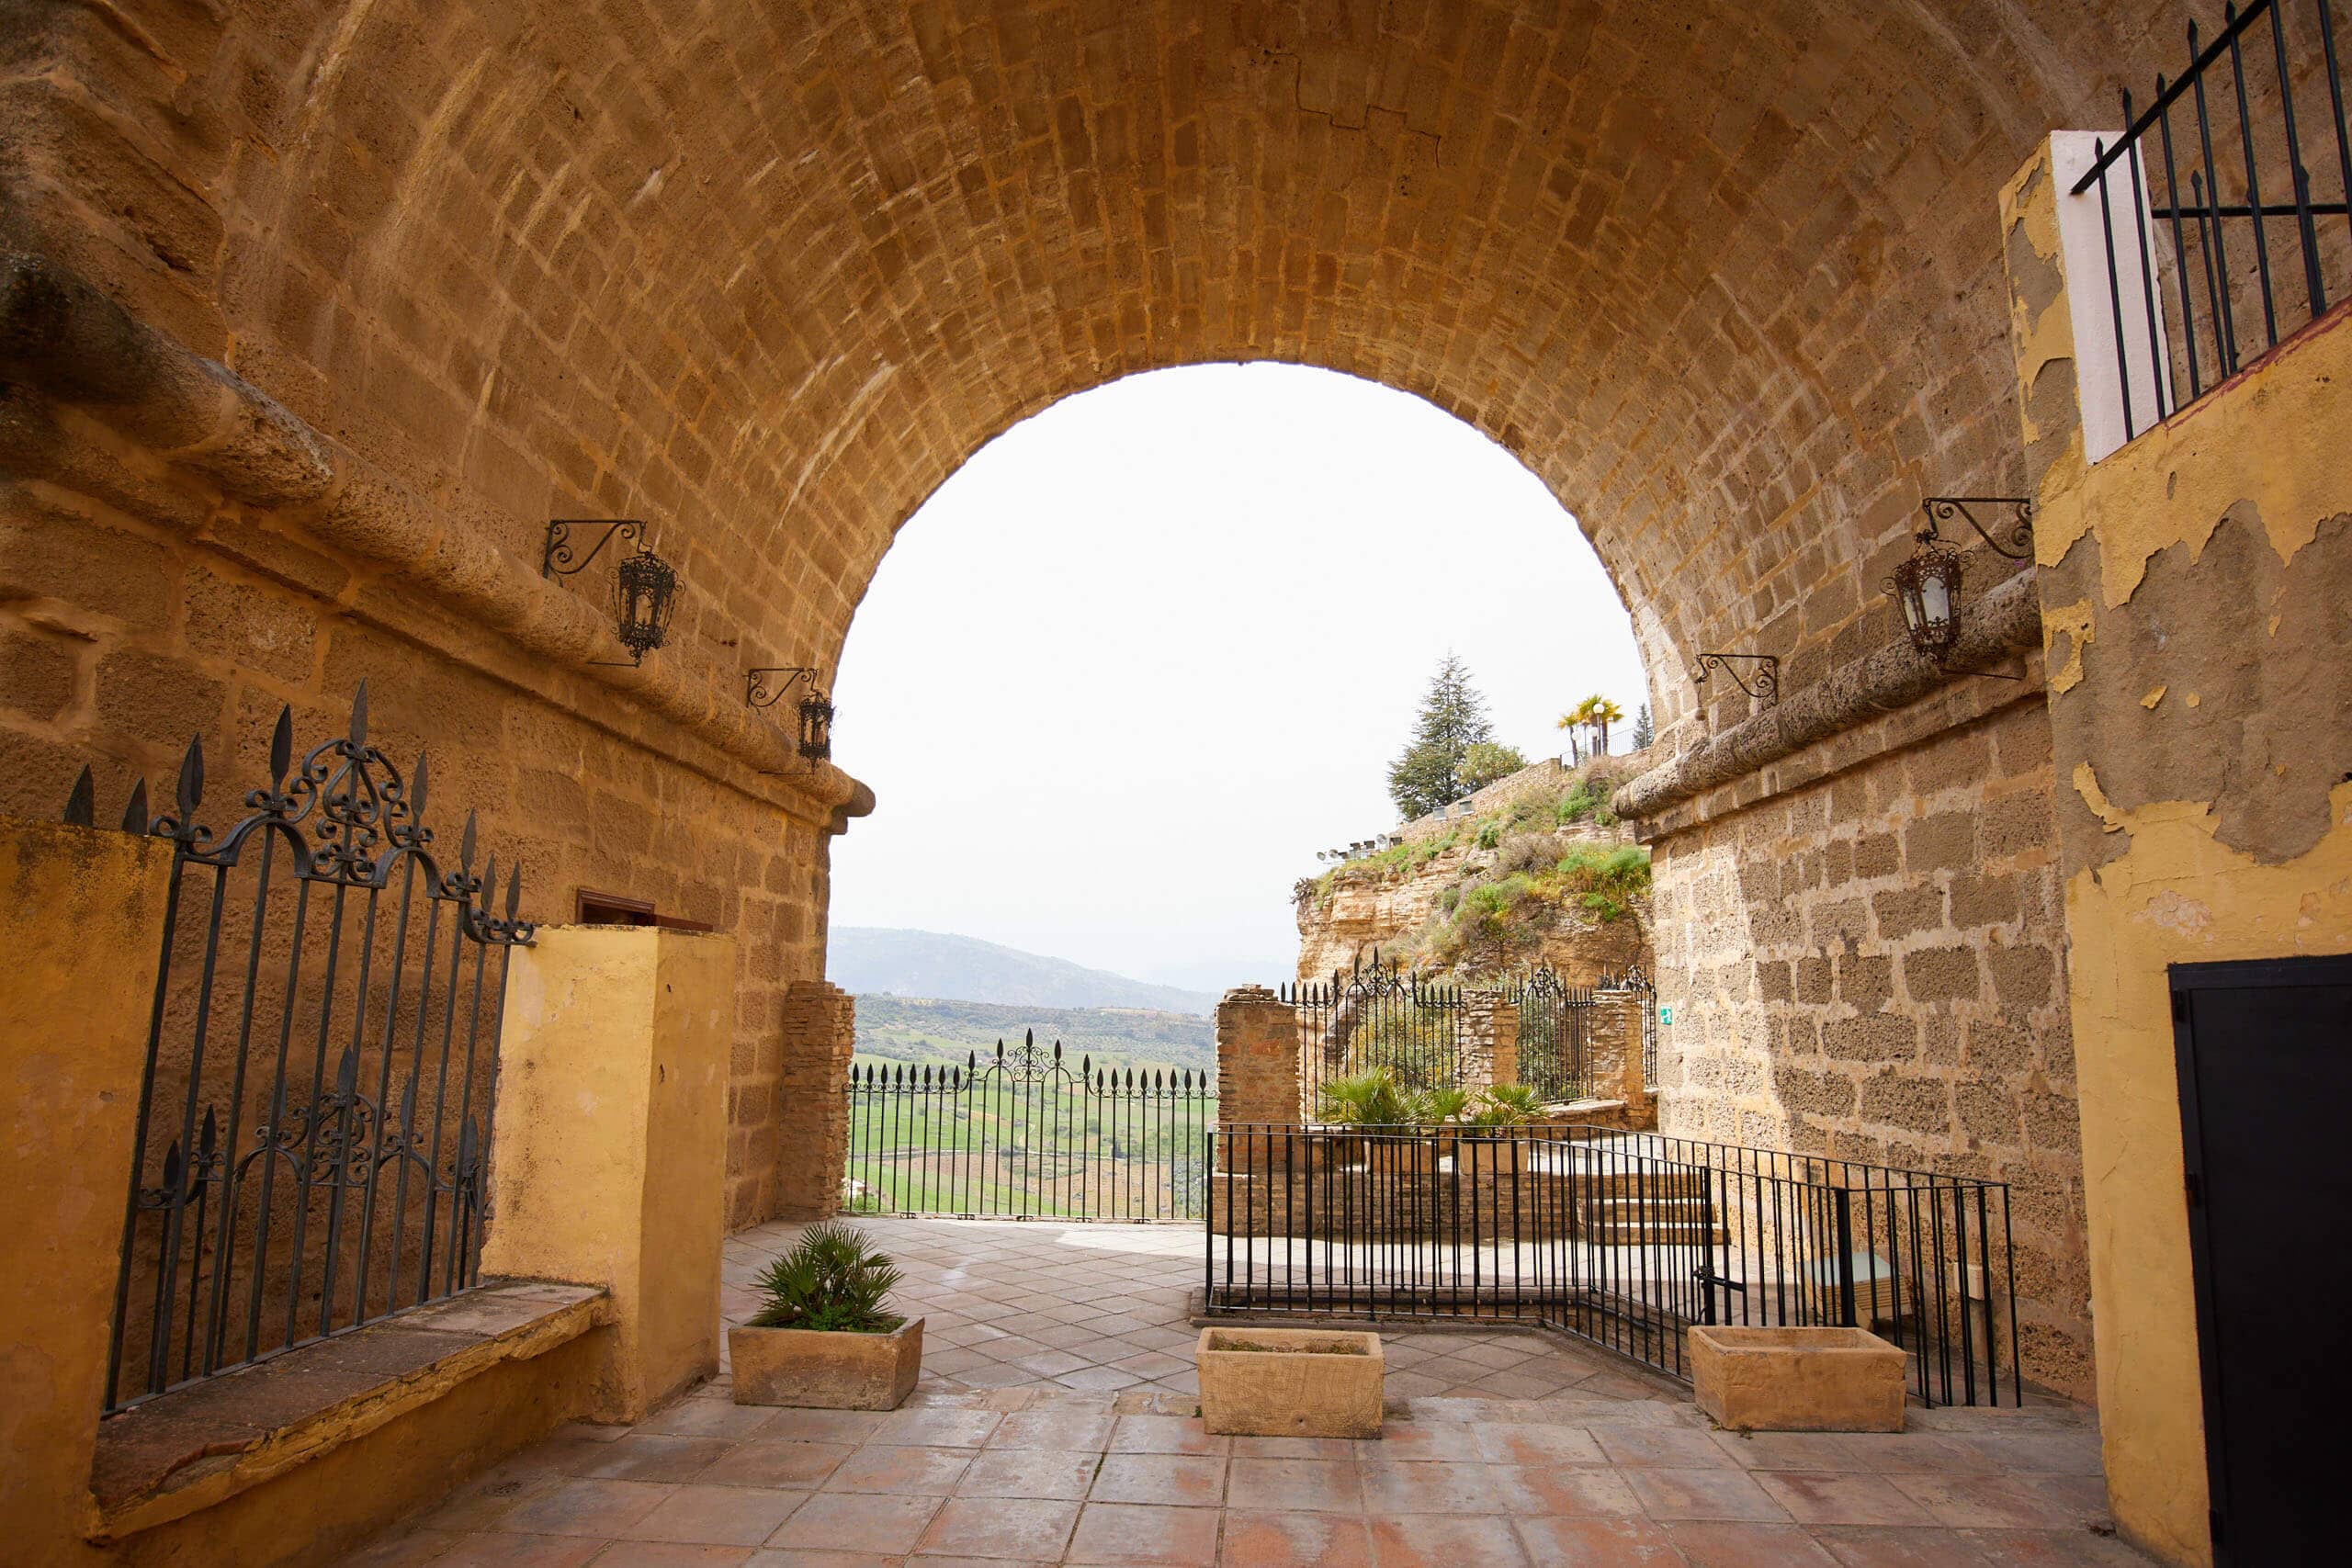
[1295, 1447]
[1189, 1481]
[1878, 1546]
[852, 1521]
[1295, 1486]
[671, 1555]
[1029, 1473]
[1025, 1529]
[821, 1426]
[1918, 1452]
[1124, 1534]
[1988, 1502]
[2051, 1549]
[1432, 1540]
[586, 1508]
[1814, 1498]
[1507, 1444]
[520, 1552]
[800, 1466]
[1549, 1489]
[648, 1456]
[1164, 1435]
[1431, 1486]
[1722, 1544]
[1053, 1429]
[1098, 1379]
[706, 1415]
[934, 1428]
[1678, 1448]
[407, 1548]
[1785, 1450]
[2062, 1453]
[1702, 1494]
[1402, 1440]
[925, 1472]
[1295, 1540]
[771, 1558]
[729, 1515]
[1621, 1542]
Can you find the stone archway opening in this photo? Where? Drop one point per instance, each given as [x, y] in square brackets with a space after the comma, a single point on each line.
[1725, 276]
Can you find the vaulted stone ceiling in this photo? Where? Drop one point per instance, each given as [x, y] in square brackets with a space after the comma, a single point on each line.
[1723, 273]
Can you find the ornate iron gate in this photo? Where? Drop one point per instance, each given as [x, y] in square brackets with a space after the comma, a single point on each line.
[1024, 1134]
[1552, 1016]
[314, 1113]
[1378, 1015]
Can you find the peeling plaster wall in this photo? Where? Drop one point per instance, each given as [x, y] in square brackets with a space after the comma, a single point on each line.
[2195, 586]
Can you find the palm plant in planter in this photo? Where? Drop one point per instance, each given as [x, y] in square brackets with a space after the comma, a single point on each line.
[1501, 1108]
[825, 1336]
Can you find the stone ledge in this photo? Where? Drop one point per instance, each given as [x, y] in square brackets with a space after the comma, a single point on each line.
[200, 1445]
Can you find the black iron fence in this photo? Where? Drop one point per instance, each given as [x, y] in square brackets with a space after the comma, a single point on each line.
[315, 1109]
[1379, 1015]
[1024, 1134]
[1624, 1239]
[2242, 169]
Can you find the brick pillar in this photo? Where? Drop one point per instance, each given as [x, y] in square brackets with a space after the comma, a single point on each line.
[1613, 1046]
[1257, 1058]
[1489, 1040]
[812, 1114]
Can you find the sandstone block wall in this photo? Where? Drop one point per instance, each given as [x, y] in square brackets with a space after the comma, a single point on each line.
[1873, 966]
[120, 639]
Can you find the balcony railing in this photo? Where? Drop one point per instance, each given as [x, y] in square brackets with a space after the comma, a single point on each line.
[2227, 204]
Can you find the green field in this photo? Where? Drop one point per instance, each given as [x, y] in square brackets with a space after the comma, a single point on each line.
[1022, 1142]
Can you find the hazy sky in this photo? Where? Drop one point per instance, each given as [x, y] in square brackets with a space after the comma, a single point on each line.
[1146, 653]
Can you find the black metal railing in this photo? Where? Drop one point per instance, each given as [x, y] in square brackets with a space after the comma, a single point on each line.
[1626, 1239]
[2262, 227]
[1378, 1015]
[1024, 1134]
[316, 1108]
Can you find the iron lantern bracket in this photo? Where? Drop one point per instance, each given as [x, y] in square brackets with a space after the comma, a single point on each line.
[2019, 530]
[1766, 688]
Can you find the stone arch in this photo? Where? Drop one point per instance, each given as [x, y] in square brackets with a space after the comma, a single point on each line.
[1725, 275]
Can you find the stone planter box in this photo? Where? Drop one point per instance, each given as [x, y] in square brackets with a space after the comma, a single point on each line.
[1290, 1383]
[826, 1371]
[1797, 1380]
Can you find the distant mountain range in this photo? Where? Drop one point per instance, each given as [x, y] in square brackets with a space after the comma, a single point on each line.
[905, 1029]
[871, 959]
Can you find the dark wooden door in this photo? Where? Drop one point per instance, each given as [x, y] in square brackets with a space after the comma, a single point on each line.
[2265, 1054]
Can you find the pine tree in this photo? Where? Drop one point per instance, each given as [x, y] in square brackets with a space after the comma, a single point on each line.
[1453, 718]
[1645, 730]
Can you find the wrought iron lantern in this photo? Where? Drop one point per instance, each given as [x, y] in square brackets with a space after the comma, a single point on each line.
[816, 728]
[645, 587]
[1927, 587]
[816, 739]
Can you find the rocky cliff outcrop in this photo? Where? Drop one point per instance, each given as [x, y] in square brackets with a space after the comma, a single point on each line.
[1530, 870]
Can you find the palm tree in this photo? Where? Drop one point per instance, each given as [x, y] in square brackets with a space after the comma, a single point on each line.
[1595, 713]
[1604, 714]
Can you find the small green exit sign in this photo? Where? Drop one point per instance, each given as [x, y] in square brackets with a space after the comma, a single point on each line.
[1666, 1016]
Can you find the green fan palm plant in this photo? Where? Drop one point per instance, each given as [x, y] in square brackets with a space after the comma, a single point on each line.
[833, 1282]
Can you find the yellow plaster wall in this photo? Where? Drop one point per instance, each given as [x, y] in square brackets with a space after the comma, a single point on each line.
[2149, 882]
[72, 1045]
[608, 1162]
